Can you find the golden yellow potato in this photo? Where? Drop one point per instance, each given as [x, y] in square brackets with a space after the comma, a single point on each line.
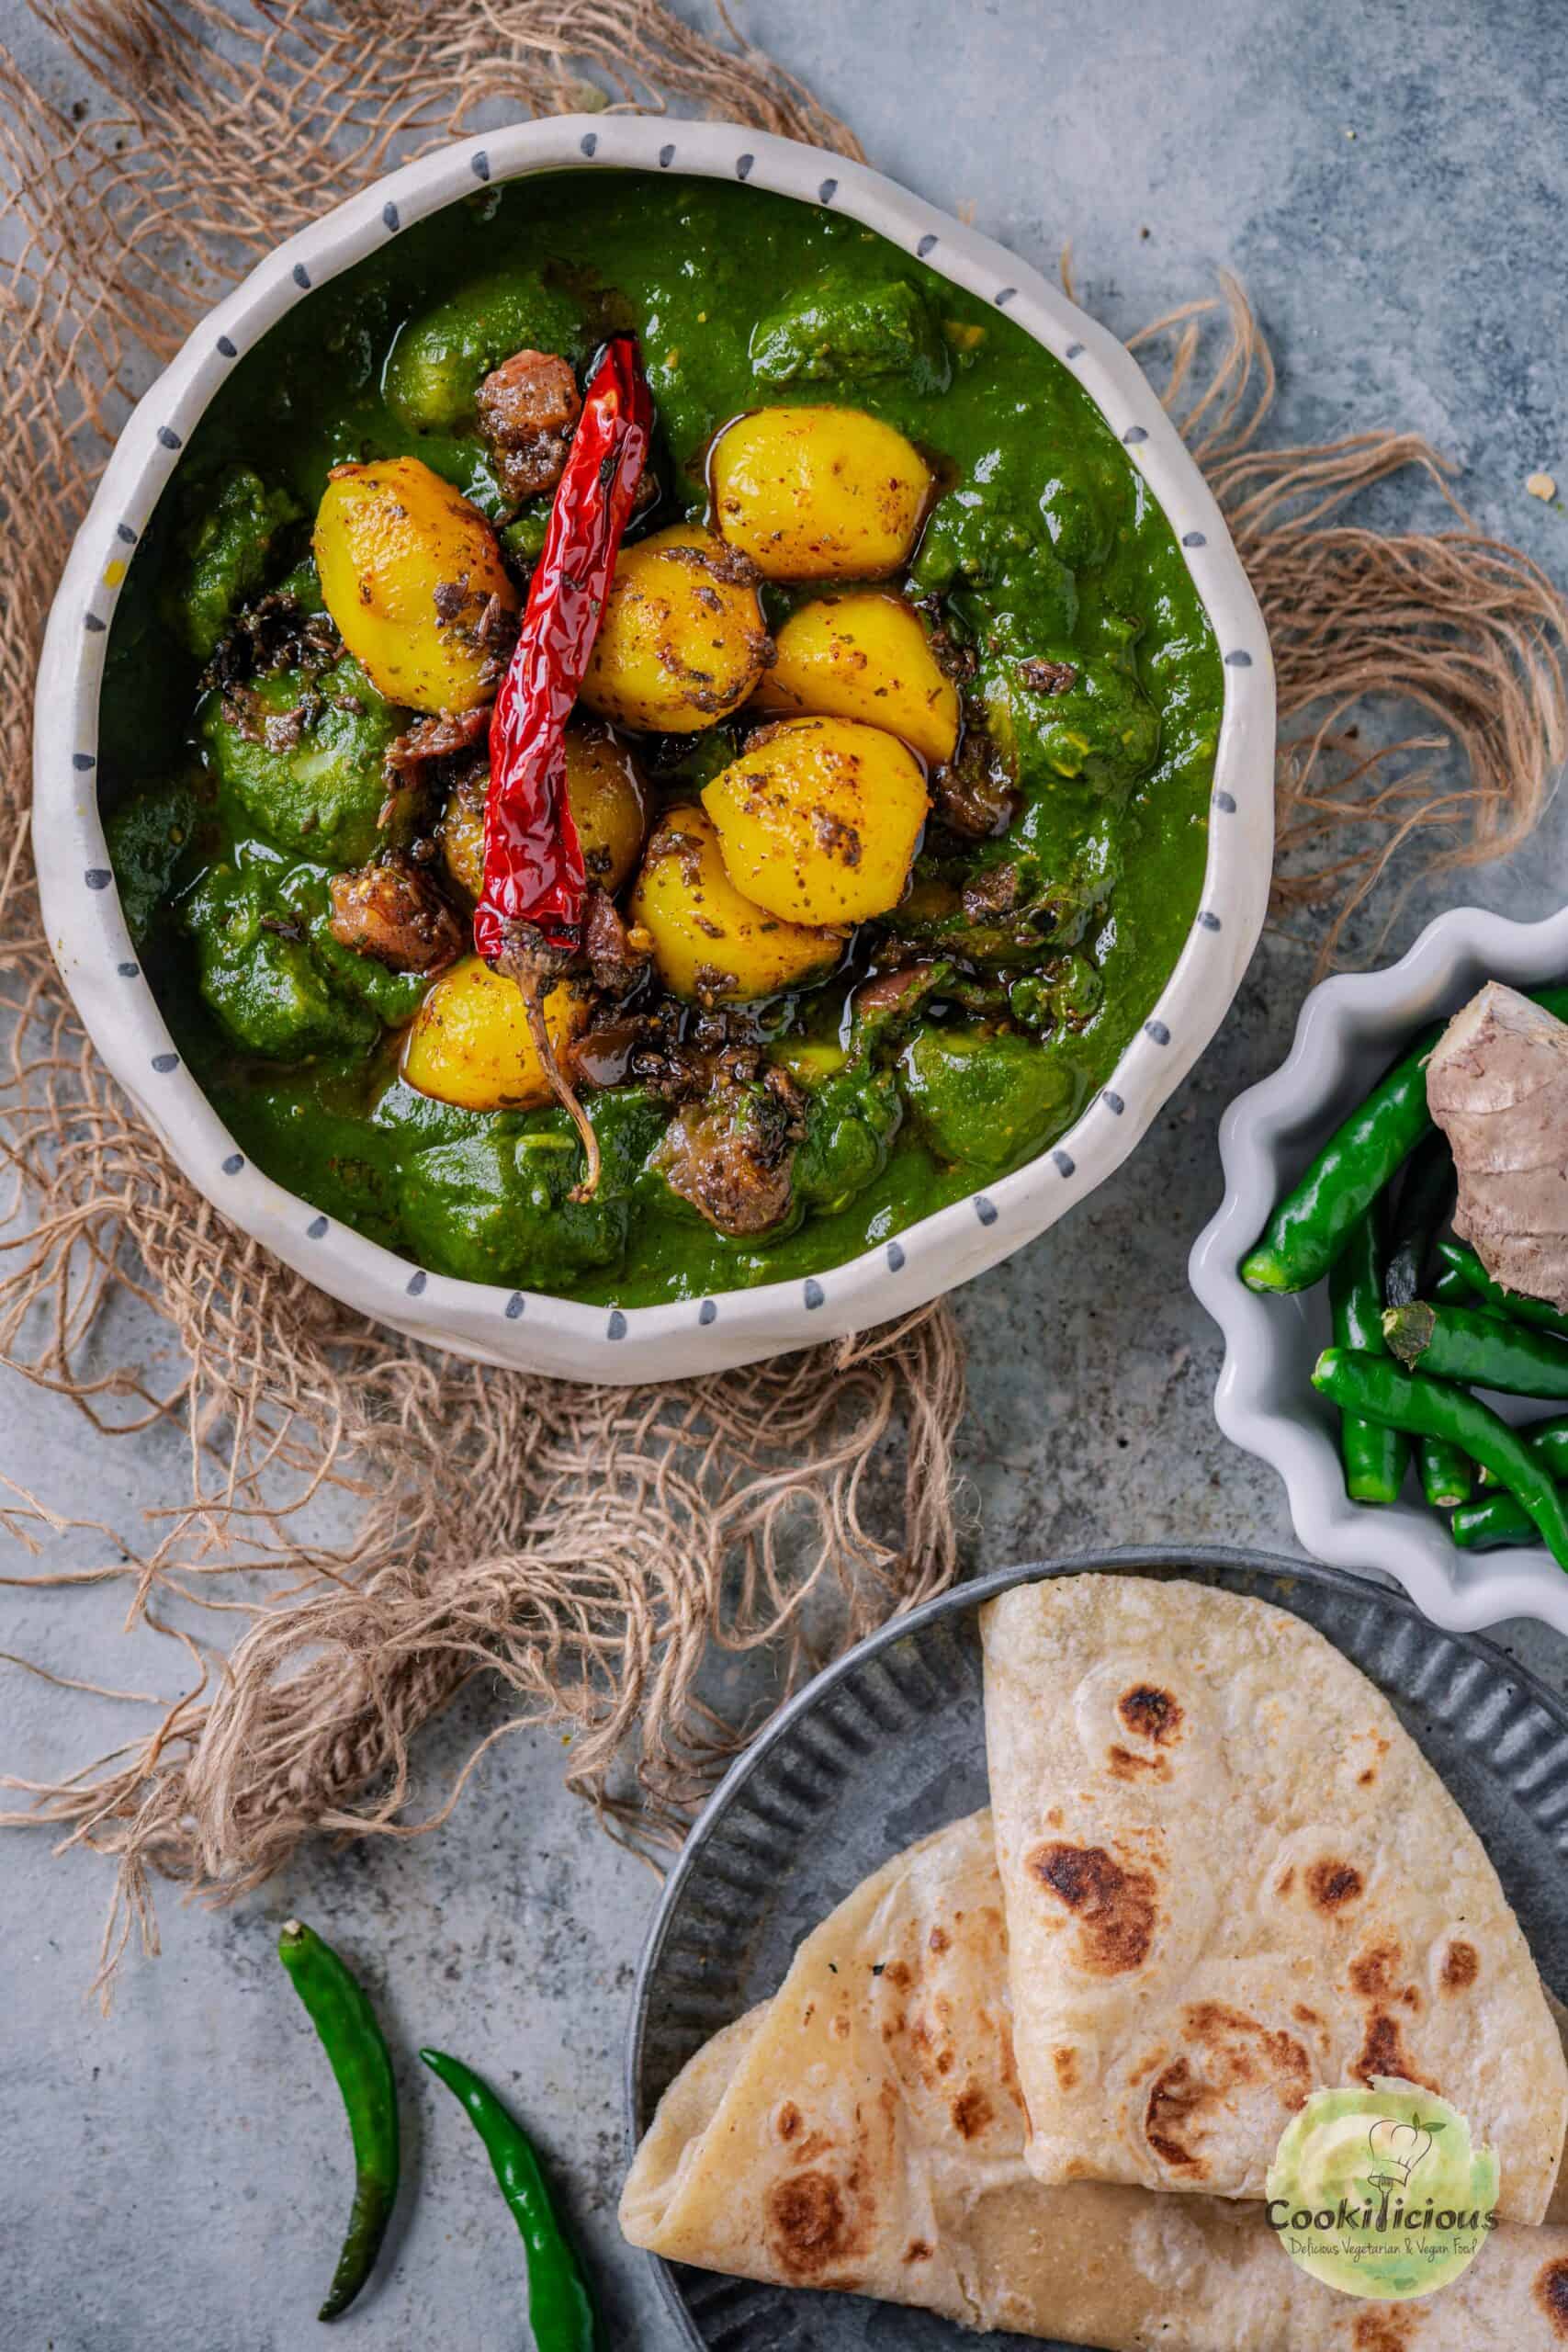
[818, 493]
[682, 640]
[407, 569]
[709, 943]
[865, 656]
[818, 819]
[609, 806]
[470, 1043]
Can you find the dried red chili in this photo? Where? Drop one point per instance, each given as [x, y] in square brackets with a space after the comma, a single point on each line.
[529, 919]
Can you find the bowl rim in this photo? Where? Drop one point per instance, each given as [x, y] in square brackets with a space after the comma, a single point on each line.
[1350, 1028]
[534, 1330]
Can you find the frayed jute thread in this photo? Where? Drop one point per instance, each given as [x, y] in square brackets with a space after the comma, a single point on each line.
[1459, 627]
[591, 1550]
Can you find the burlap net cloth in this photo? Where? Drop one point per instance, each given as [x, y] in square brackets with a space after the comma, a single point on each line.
[592, 1548]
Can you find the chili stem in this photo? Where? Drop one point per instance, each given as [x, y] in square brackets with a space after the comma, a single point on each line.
[1466, 1343]
[1446, 1475]
[525, 970]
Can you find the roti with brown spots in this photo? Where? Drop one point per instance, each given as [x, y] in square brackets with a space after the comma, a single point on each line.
[862, 2131]
[1277, 1893]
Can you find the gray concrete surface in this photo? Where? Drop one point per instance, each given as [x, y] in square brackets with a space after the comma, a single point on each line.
[1390, 183]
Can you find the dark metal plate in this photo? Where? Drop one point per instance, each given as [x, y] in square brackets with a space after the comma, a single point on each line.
[889, 1743]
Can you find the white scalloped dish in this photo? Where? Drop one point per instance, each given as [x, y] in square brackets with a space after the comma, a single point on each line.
[536, 1332]
[1349, 1030]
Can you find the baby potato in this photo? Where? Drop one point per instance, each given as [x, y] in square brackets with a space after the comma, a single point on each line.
[682, 640]
[818, 493]
[609, 806]
[865, 656]
[818, 819]
[710, 944]
[470, 1043]
[407, 569]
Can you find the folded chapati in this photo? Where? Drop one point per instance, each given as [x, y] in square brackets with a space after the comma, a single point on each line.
[863, 2131]
[1230, 1877]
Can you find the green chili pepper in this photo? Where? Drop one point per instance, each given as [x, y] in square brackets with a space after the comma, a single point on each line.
[560, 2308]
[1548, 1440]
[1425, 1204]
[342, 2016]
[1480, 1285]
[1498, 1519]
[1313, 1222]
[1448, 1288]
[1465, 1343]
[1374, 1457]
[1379, 1391]
[1446, 1476]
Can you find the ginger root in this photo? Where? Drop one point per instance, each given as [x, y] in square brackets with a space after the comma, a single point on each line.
[1497, 1085]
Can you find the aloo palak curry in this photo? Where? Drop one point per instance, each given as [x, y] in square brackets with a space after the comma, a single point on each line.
[890, 768]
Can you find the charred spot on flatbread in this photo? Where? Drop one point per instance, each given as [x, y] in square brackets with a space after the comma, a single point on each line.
[1550, 2292]
[1384, 2331]
[1151, 1714]
[1375, 1972]
[1126, 1766]
[1175, 2098]
[1375, 1976]
[1368, 1773]
[1382, 2052]
[1230, 2051]
[1331, 1886]
[933, 2046]
[788, 2120]
[1065, 2062]
[811, 2226]
[917, 2251]
[1462, 1966]
[972, 2110]
[1113, 1903]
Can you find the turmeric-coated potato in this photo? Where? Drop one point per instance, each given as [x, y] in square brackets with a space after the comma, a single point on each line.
[865, 656]
[819, 819]
[682, 640]
[710, 944]
[408, 571]
[609, 806]
[470, 1043]
[818, 493]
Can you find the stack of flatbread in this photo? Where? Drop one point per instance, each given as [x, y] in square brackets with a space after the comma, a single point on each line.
[1032, 2073]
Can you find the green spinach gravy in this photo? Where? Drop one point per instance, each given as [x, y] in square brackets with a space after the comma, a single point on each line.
[1059, 872]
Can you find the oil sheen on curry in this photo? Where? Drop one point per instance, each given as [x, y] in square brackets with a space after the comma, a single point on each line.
[890, 769]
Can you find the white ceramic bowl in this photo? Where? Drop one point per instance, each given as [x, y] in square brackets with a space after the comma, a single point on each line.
[1349, 1030]
[537, 1333]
